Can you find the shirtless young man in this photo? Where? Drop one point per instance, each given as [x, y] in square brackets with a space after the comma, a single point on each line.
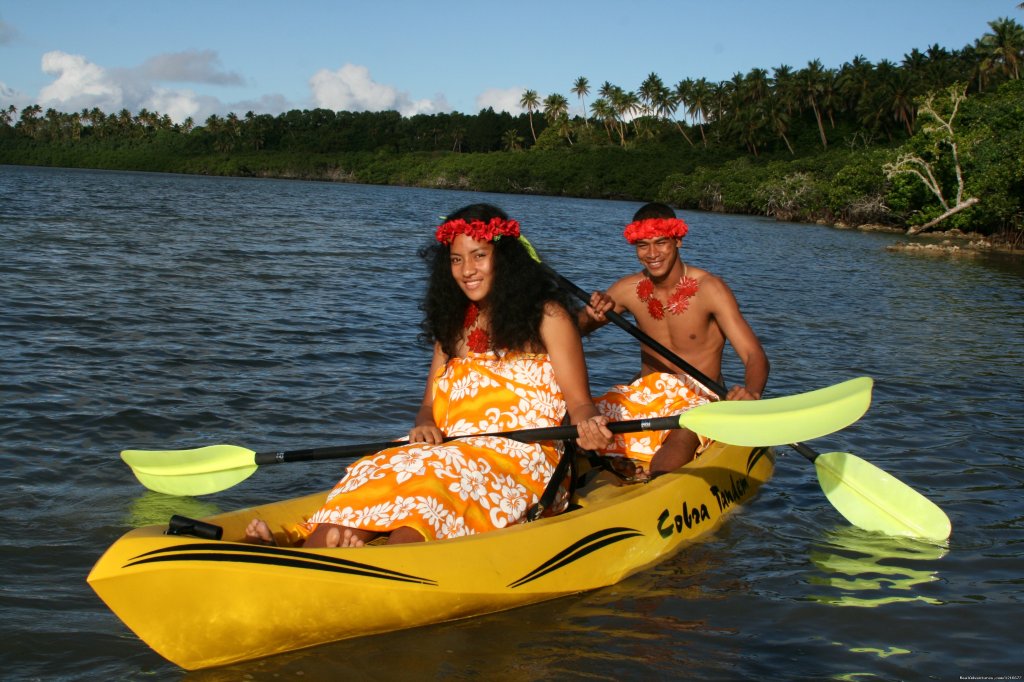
[686, 309]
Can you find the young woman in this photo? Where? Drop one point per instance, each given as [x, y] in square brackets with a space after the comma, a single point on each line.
[507, 356]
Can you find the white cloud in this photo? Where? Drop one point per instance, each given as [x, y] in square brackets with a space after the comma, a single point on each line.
[178, 104]
[351, 88]
[79, 84]
[501, 99]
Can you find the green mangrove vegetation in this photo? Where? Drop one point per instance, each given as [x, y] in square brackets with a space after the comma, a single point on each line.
[936, 141]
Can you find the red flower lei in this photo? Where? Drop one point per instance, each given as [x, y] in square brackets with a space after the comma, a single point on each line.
[478, 340]
[678, 302]
[477, 230]
[653, 228]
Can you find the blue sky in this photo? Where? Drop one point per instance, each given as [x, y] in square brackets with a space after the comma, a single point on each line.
[195, 58]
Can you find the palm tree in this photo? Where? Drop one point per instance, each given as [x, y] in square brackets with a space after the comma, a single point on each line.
[778, 120]
[605, 113]
[665, 105]
[811, 84]
[914, 65]
[695, 95]
[512, 140]
[829, 95]
[125, 122]
[29, 121]
[648, 92]
[941, 68]
[145, 120]
[621, 105]
[875, 103]
[719, 102]
[683, 93]
[757, 85]
[1004, 47]
[735, 89]
[627, 105]
[254, 130]
[99, 122]
[531, 102]
[555, 106]
[556, 111]
[855, 81]
[901, 100]
[581, 88]
[7, 115]
[216, 127]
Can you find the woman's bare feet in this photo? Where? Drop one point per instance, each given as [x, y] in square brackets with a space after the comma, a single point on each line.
[330, 535]
[258, 532]
[345, 537]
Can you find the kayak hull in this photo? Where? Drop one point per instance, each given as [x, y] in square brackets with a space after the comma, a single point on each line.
[202, 603]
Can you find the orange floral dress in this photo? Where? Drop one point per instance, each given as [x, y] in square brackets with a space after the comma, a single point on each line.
[655, 395]
[464, 486]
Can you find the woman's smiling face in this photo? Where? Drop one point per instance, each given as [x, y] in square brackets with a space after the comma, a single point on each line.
[472, 266]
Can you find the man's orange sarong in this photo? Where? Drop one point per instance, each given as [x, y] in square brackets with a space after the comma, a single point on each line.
[464, 486]
[655, 395]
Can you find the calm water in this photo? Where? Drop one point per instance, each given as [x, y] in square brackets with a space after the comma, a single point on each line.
[156, 312]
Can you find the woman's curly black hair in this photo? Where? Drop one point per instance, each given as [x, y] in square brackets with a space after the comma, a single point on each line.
[520, 291]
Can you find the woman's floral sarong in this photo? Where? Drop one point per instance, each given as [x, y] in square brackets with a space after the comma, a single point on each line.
[464, 486]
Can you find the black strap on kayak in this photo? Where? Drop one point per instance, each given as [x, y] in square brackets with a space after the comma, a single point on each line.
[566, 467]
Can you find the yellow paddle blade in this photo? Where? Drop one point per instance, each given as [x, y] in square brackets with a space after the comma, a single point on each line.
[778, 421]
[873, 499]
[191, 472]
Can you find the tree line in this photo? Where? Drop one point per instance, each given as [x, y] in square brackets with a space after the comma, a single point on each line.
[804, 120]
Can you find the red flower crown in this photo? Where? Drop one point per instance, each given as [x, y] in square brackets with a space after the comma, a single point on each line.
[652, 228]
[478, 230]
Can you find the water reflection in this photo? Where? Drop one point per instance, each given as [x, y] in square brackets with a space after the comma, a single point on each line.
[152, 508]
[866, 569]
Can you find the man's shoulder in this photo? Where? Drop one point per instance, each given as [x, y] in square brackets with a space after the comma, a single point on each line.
[699, 273]
[627, 281]
[705, 277]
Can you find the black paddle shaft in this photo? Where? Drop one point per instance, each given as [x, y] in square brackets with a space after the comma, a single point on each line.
[524, 436]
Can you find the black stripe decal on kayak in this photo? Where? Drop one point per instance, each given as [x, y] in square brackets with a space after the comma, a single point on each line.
[256, 554]
[578, 550]
[754, 457]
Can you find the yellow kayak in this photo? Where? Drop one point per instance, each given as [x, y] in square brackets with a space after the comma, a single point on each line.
[204, 602]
